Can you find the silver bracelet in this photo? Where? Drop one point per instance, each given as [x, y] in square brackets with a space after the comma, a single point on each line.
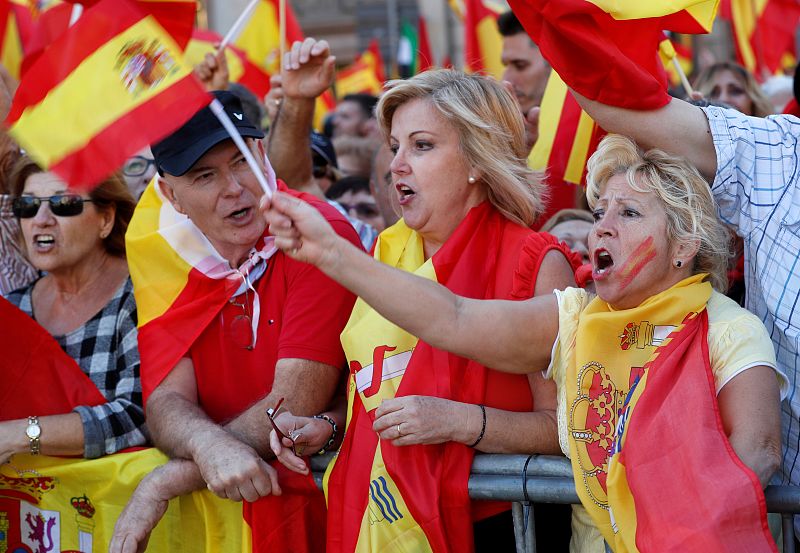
[330, 442]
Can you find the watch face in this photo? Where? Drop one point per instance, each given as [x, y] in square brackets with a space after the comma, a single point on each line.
[33, 431]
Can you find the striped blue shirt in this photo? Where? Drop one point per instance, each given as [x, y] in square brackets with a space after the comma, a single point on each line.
[757, 187]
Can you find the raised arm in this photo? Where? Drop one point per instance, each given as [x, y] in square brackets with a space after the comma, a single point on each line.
[307, 73]
[678, 128]
[506, 335]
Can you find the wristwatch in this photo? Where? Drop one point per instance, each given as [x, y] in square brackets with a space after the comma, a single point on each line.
[33, 432]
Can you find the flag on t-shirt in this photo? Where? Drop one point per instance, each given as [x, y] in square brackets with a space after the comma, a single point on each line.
[607, 50]
[112, 84]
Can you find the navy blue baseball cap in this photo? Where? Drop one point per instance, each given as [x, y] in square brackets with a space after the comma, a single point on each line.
[178, 152]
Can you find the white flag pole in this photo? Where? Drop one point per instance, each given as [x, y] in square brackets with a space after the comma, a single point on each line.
[238, 26]
[77, 12]
[219, 111]
[282, 27]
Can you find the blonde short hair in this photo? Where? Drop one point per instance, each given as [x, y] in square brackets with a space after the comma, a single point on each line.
[491, 132]
[682, 192]
[705, 82]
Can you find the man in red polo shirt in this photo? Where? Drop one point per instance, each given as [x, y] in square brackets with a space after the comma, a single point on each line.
[274, 333]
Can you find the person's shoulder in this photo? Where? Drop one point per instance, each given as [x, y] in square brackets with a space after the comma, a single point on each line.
[20, 296]
[726, 317]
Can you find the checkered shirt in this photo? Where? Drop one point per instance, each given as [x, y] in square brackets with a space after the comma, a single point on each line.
[106, 349]
[757, 187]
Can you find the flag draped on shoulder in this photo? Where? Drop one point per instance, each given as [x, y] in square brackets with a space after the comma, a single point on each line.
[383, 497]
[113, 83]
[607, 50]
[649, 363]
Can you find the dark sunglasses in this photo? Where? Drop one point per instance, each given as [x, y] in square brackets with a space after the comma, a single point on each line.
[61, 205]
[362, 209]
[137, 166]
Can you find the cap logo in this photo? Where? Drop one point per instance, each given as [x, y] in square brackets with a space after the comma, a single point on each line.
[238, 116]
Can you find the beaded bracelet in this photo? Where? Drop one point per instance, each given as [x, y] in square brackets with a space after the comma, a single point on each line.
[483, 426]
[329, 443]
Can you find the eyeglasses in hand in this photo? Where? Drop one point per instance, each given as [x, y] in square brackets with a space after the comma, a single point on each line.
[271, 414]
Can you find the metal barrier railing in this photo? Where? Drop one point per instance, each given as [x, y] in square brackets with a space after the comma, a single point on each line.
[549, 480]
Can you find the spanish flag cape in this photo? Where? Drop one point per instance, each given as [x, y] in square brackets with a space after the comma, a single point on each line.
[652, 478]
[71, 504]
[181, 283]
[414, 498]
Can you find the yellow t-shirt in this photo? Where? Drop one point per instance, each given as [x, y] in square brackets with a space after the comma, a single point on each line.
[737, 341]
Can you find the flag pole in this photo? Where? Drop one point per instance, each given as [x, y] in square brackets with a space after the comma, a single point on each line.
[282, 21]
[219, 111]
[77, 12]
[684, 81]
[238, 25]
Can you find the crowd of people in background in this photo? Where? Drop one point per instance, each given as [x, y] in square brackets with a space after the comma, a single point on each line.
[394, 300]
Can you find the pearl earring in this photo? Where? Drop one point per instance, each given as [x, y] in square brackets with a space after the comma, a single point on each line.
[472, 180]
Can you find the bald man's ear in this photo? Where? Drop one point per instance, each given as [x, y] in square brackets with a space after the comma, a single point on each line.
[167, 189]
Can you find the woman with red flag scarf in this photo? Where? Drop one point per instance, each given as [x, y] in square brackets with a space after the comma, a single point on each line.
[670, 419]
[416, 414]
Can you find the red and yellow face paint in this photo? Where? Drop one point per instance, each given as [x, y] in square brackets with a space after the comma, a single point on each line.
[638, 260]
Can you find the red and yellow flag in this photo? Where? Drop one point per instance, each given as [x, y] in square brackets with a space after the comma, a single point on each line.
[607, 50]
[680, 51]
[764, 32]
[261, 42]
[638, 465]
[414, 498]
[567, 137]
[365, 75]
[67, 504]
[241, 69]
[483, 45]
[113, 83]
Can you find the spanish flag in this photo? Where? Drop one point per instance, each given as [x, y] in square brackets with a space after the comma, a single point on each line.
[383, 497]
[650, 478]
[567, 137]
[181, 282]
[607, 50]
[764, 32]
[483, 44]
[260, 41]
[356, 78]
[11, 53]
[68, 504]
[240, 68]
[112, 84]
[676, 50]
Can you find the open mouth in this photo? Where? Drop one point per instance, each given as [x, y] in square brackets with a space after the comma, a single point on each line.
[239, 213]
[602, 261]
[44, 240]
[405, 191]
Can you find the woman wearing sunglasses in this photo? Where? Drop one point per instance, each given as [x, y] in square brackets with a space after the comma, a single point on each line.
[85, 301]
[416, 414]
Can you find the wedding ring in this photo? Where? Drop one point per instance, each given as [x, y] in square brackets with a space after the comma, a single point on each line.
[399, 434]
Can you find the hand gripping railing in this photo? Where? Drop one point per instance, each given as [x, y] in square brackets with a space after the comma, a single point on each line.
[549, 480]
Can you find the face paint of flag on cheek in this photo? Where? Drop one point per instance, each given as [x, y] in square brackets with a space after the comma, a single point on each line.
[638, 260]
